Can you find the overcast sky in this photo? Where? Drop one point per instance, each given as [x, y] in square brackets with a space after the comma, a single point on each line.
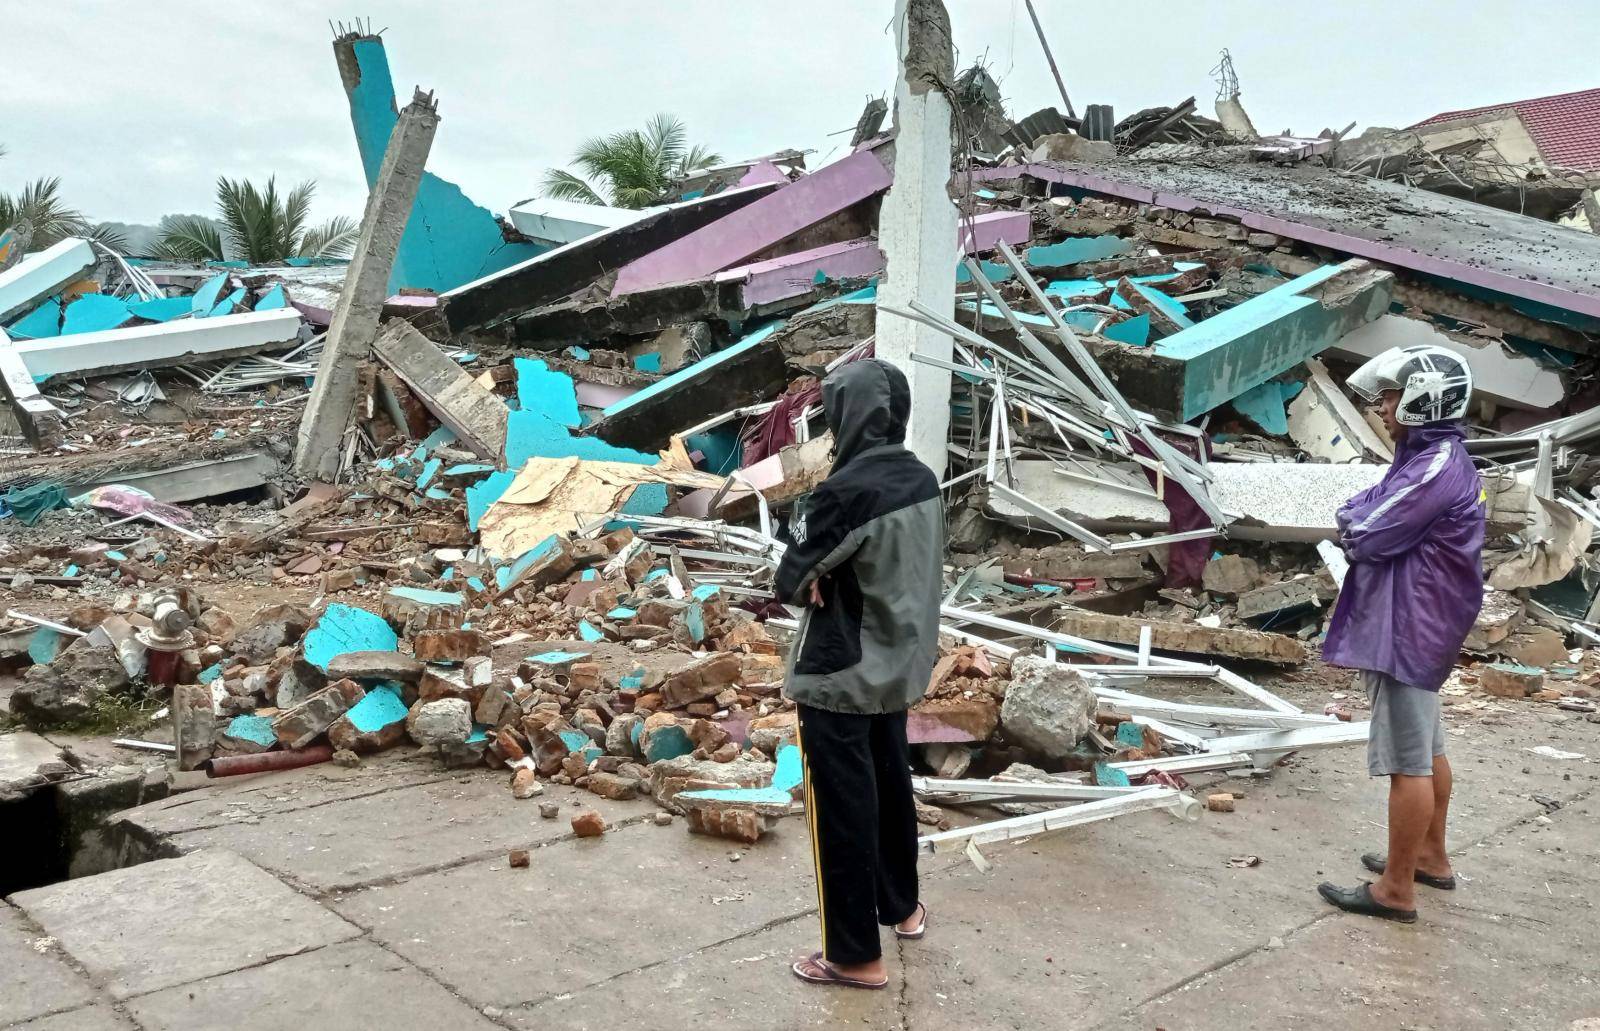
[139, 107]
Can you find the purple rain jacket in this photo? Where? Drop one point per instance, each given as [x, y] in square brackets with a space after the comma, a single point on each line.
[1415, 543]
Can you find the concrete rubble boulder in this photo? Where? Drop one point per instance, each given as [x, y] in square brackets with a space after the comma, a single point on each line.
[1047, 709]
[376, 722]
[670, 777]
[447, 721]
[375, 665]
[66, 691]
[700, 680]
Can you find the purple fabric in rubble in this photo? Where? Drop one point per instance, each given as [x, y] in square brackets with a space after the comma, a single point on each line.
[1186, 560]
[1415, 544]
[775, 431]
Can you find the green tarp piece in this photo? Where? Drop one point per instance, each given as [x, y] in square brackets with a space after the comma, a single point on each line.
[29, 504]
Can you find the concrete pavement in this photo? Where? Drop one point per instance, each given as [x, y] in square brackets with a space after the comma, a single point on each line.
[382, 897]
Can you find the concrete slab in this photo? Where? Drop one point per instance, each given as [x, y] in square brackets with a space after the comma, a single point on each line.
[586, 910]
[1498, 373]
[39, 980]
[160, 344]
[251, 799]
[354, 984]
[1501, 253]
[1460, 967]
[1096, 942]
[476, 415]
[22, 753]
[91, 1018]
[43, 272]
[741, 983]
[174, 921]
[1274, 501]
[1209, 363]
[385, 837]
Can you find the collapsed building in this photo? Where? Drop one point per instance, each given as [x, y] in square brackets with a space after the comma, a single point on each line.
[523, 481]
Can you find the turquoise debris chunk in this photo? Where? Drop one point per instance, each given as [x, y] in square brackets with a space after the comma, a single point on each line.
[382, 707]
[345, 628]
[1108, 776]
[257, 729]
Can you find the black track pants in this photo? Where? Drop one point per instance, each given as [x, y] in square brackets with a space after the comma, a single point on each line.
[863, 827]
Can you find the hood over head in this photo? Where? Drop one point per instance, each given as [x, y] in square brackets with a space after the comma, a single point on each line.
[867, 404]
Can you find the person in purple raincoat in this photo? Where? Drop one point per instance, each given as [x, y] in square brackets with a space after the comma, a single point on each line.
[1410, 597]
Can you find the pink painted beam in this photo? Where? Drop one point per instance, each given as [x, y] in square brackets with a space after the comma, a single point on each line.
[988, 229]
[1477, 266]
[778, 279]
[794, 274]
[754, 228]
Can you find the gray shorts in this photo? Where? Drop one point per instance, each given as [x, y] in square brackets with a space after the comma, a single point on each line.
[1407, 728]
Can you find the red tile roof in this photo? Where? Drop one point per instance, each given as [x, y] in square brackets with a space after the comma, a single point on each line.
[1565, 127]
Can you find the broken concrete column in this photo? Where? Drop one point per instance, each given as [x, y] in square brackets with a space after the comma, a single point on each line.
[917, 225]
[1048, 708]
[472, 411]
[366, 284]
[193, 727]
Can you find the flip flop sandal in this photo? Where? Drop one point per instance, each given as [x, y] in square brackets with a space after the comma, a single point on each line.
[815, 970]
[1359, 900]
[922, 927]
[1376, 863]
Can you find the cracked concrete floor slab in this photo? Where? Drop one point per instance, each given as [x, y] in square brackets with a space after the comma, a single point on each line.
[392, 882]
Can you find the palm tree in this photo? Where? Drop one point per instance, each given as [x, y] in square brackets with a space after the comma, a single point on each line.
[257, 225]
[40, 204]
[630, 169]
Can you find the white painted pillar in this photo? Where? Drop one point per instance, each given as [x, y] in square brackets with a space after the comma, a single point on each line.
[917, 224]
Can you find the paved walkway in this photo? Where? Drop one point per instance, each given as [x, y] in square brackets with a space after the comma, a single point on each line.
[381, 897]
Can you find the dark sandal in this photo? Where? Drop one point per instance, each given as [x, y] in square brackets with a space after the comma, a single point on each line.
[1359, 900]
[815, 970]
[922, 927]
[1376, 863]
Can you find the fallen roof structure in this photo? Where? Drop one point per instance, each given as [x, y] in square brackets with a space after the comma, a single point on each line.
[1506, 255]
[759, 226]
[556, 273]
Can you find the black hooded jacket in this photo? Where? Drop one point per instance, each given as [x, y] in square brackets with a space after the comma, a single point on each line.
[872, 534]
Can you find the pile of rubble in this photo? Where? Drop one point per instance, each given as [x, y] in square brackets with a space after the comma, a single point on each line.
[526, 515]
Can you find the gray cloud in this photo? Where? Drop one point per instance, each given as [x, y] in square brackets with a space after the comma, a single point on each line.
[139, 107]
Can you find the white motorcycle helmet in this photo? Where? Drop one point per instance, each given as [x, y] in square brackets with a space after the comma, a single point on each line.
[1435, 383]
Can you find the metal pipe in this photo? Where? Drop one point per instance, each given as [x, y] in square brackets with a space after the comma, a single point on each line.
[266, 762]
[1048, 56]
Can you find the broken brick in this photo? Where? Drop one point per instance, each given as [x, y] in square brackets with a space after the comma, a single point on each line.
[588, 824]
[1506, 680]
[311, 718]
[454, 645]
[524, 784]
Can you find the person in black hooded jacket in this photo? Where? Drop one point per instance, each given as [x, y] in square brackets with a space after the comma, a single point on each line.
[866, 559]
